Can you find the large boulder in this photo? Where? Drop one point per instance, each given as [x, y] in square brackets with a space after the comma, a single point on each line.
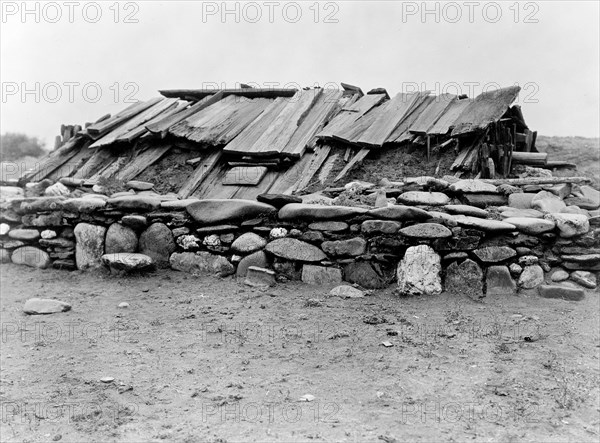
[499, 281]
[426, 231]
[89, 245]
[120, 238]
[158, 243]
[30, 256]
[465, 278]
[303, 211]
[36, 306]
[424, 198]
[366, 274]
[201, 263]
[292, 249]
[217, 211]
[569, 225]
[419, 272]
[248, 243]
[351, 247]
[400, 213]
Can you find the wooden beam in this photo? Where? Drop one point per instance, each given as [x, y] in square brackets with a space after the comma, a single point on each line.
[199, 94]
[536, 181]
[530, 158]
[352, 163]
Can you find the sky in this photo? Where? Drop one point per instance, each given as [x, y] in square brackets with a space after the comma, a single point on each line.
[72, 62]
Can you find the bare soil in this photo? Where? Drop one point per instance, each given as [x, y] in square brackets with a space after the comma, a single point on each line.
[206, 359]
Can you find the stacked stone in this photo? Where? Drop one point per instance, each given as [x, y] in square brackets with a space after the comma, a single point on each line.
[467, 237]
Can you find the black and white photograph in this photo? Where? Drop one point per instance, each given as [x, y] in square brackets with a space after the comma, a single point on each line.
[299, 221]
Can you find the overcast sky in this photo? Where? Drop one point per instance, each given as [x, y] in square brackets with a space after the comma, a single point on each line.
[69, 62]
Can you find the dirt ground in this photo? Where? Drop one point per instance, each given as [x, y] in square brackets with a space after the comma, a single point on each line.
[206, 359]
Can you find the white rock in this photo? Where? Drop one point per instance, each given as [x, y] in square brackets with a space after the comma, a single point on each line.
[212, 240]
[419, 272]
[57, 189]
[123, 305]
[570, 225]
[346, 291]
[472, 186]
[545, 201]
[48, 233]
[4, 228]
[531, 277]
[278, 233]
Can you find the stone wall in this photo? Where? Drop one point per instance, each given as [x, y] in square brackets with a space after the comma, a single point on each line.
[422, 241]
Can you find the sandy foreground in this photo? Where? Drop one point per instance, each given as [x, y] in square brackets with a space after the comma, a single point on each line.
[205, 359]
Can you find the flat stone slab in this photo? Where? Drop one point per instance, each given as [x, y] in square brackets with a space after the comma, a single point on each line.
[484, 224]
[495, 254]
[400, 213]
[292, 249]
[178, 204]
[562, 292]
[83, 204]
[585, 258]
[139, 185]
[424, 198]
[426, 230]
[521, 200]
[521, 213]
[260, 277]
[278, 200]
[221, 211]
[24, 234]
[351, 247]
[321, 275]
[472, 186]
[303, 211]
[545, 201]
[218, 229]
[530, 225]
[346, 291]
[387, 227]
[127, 261]
[585, 279]
[331, 226]
[135, 202]
[41, 306]
[466, 210]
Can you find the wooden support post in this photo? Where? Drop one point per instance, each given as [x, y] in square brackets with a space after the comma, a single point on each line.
[428, 148]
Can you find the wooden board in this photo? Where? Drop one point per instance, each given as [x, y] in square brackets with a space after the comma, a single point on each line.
[55, 160]
[220, 123]
[313, 122]
[285, 182]
[103, 127]
[396, 110]
[277, 135]
[99, 158]
[485, 109]
[72, 165]
[432, 113]
[179, 105]
[199, 94]
[316, 161]
[352, 133]
[256, 129]
[131, 124]
[250, 192]
[203, 169]
[142, 161]
[352, 163]
[349, 115]
[446, 121]
[244, 175]
[402, 132]
[165, 123]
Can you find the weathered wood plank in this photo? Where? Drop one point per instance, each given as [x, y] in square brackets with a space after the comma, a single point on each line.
[250, 192]
[352, 163]
[349, 115]
[402, 132]
[141, 130]
[313, 122]
[202, 171]
[277, 135]
[98, 160]
[530, 158]
[199, 94]
[54, 160]
[142, 161]
[103, 127]
[432, 113]
[165, 123]
[244, 175]
[318, 158]
[395, 112]
[446, 121]
[485, 109]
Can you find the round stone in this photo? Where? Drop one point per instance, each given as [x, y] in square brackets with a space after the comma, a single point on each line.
[248, 243]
